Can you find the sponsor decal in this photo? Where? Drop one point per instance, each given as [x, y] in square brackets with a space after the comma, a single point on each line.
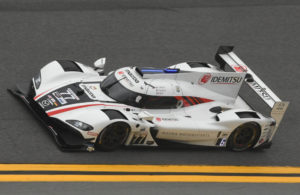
[92, 133]
[169, 119]
[124, 77]
[45, 103]
[88, 91]
[52, 100]
[280, 107]
[59, 98]
[204, 79]
[128, 81]
[186, 134]
[226, 80]
[166, 119]
[261, 90]
[139, 138]
[223, 142]
[240, 68]
[72, 94]
[160, 90]
[132, 76]
[62, 97]
[120, 72]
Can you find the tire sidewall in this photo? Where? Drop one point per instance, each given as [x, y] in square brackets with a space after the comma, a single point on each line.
[105, 130]
[254, 126]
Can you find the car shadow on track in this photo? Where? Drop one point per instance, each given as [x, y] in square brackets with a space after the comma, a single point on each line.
[183, 148]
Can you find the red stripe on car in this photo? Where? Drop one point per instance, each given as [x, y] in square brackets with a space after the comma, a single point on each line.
[178, 97]
[185, 103]
[191, 100]
[36, 97]
[195, 100]
[204, 100]
[51, 113]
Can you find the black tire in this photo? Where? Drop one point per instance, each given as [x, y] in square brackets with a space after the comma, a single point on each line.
[112, 136]
[244, 137]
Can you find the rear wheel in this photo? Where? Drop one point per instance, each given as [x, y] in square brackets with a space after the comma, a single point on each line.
[244, 137]
[112, 137]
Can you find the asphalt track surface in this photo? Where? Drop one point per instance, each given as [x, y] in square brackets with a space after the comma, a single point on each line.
[266, 36]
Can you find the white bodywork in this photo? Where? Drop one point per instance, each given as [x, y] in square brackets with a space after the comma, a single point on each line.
[190, 122]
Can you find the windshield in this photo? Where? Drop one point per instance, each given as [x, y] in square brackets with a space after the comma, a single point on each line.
[114, 89]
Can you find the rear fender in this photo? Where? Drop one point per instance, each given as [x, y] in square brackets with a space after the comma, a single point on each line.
[232, 120]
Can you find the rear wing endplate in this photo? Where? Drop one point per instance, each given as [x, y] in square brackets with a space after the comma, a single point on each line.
[226, 56]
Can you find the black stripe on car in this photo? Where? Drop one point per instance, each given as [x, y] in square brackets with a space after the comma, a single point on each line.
[114, 114]
[187, 99]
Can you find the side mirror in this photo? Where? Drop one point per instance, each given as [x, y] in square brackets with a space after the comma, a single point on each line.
[146, 116]
[100, 63]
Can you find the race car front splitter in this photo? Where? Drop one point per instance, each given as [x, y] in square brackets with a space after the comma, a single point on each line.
[67, 138]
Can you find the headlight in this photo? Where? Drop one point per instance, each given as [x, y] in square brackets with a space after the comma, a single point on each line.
[80, 125]
[37, 81]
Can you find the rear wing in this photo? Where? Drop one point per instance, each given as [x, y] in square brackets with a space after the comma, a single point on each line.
[226, 56]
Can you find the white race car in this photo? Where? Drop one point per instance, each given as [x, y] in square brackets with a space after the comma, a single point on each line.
[190, 103]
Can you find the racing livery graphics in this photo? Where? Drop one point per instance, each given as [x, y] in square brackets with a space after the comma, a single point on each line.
[191, 103]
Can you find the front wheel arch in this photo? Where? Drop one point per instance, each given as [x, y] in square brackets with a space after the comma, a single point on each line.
[117, 127]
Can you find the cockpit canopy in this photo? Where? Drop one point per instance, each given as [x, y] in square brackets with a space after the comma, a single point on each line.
[114, 88]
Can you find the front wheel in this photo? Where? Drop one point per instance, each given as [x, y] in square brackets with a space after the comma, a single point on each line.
[112, 137]
[244, 137]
